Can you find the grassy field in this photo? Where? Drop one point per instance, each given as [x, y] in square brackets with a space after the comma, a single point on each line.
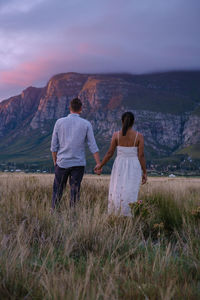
[86, 254]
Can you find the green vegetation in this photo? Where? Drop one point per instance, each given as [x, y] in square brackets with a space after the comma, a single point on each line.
[29, 148]
[193, 151]
[86, 254]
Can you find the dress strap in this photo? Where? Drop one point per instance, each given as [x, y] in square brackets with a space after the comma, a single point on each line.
[135, 139]
[118, 137]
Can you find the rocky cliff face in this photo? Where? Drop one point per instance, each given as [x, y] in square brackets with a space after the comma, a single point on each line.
[163, 132]
[164, 112]
[191, 130]
[54, 103]
[17, 109]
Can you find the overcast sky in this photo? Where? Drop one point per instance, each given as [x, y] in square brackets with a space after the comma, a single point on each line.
[40, 38]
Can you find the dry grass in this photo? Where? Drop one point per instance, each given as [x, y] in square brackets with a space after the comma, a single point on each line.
[84, 254]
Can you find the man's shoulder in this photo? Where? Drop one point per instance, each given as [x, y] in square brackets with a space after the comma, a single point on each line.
[59, 123]
[60, 120]
[86, 122]
[83, 121]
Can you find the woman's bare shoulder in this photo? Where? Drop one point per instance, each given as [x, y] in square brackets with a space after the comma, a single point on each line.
[140, 136]
[137, 133]
[115, 135]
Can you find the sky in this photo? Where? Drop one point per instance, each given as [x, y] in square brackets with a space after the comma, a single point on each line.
[41, 38]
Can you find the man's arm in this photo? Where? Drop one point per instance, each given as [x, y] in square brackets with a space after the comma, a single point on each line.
[92, 144]
[54, 144]
[97, 158]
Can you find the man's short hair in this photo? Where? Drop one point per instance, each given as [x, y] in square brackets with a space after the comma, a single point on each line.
[76, 104]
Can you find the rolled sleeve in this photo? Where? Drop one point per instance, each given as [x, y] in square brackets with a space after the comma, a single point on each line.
[91, 140]
[54, 140]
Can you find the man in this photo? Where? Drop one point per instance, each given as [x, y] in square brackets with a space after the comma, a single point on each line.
[68, 151]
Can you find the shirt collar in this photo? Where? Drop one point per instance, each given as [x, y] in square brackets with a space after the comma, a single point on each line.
[73, 115]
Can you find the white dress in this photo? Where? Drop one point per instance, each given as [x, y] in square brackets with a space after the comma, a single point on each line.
[125, 180]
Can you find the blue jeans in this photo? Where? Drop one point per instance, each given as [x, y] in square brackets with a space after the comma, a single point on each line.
[75, 175]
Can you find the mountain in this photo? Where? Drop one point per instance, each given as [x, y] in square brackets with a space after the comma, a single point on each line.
[166, 108]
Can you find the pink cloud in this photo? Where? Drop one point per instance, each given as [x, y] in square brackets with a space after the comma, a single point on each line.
[35, 72]
[41, 68]
[26, 72]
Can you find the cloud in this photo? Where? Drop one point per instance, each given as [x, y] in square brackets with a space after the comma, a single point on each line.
[18, 6]
[44, 37]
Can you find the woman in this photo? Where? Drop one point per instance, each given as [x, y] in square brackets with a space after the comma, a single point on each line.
[127, 168]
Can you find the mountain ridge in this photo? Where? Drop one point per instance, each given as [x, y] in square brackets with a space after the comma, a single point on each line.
[166, 107]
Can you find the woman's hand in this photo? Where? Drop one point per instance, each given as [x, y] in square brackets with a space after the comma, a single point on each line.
[144, 178]
[98, 169]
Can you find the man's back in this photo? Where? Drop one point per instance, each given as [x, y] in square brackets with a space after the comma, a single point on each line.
[68, 152]
[68, 140]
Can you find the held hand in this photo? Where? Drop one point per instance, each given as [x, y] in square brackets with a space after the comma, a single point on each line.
[98, 169]
[144, 178]
[98, 172]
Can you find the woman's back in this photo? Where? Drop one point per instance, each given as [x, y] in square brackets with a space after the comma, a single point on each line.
[129, 140]
[127, 144]
[126, 175]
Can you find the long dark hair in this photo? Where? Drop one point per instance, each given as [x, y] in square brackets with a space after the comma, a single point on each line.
[127, 121]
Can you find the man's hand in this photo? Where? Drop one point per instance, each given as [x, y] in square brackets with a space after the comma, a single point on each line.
[144, 178]
[98, 169]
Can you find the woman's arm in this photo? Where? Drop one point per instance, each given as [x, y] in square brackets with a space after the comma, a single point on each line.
[110, 152]
[142, 158]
